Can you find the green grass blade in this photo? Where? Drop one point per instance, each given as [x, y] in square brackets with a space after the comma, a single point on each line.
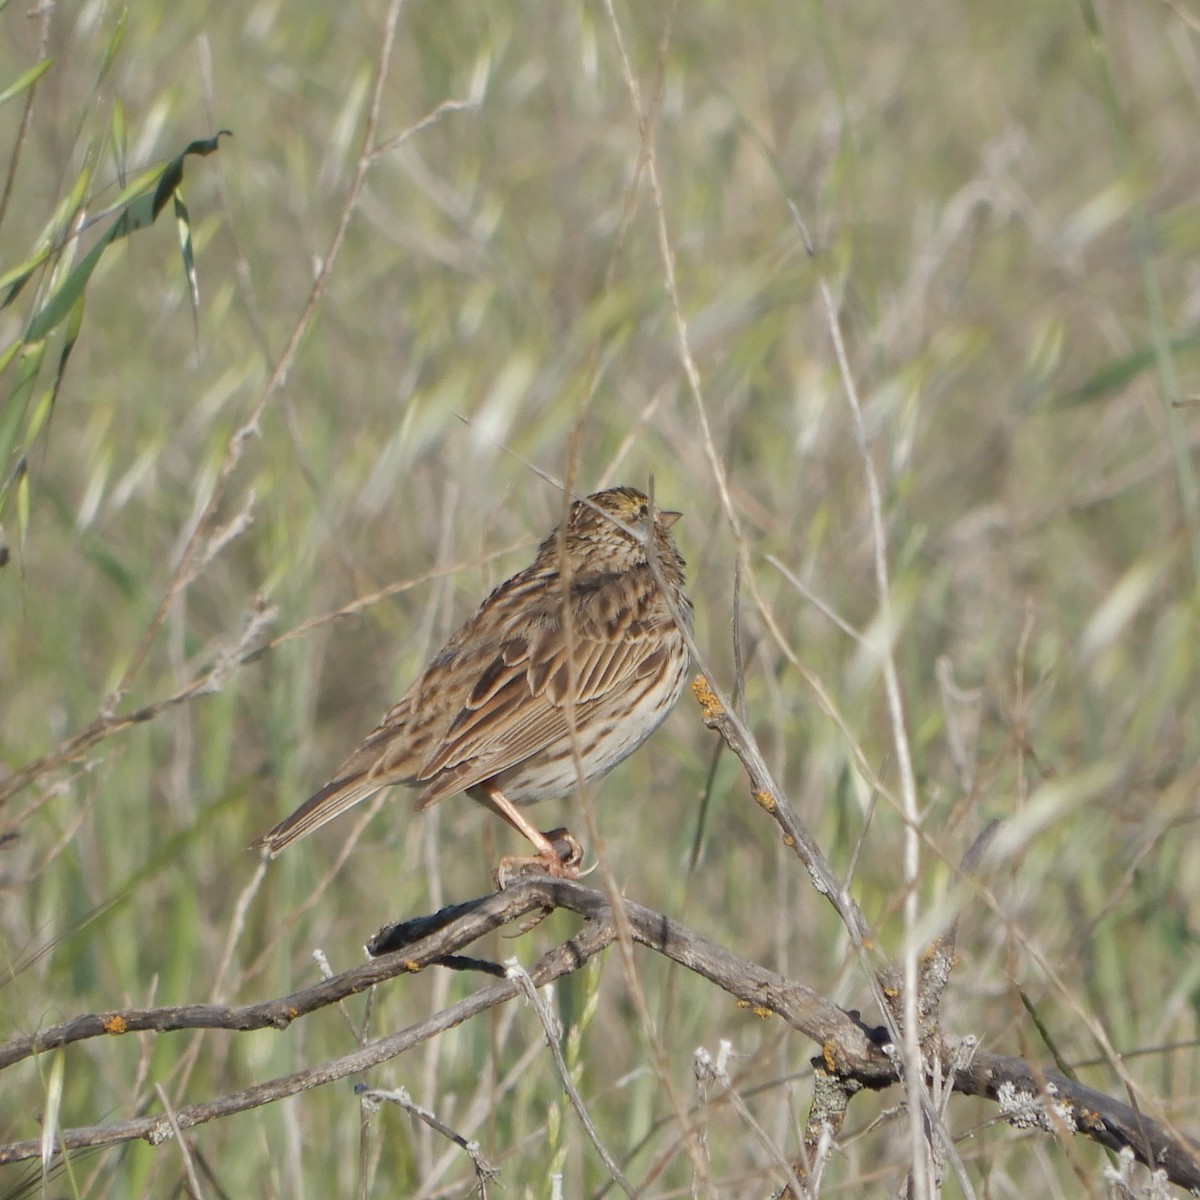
[26, 80]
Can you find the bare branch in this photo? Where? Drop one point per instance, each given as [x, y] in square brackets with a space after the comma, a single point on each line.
[851, 1055]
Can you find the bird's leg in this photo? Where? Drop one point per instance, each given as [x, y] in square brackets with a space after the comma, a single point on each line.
[491, 797]
[558, 853]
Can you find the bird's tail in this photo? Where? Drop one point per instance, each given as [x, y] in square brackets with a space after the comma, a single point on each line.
[331, 801]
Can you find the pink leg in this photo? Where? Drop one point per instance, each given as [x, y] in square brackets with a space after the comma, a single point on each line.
[548, 858]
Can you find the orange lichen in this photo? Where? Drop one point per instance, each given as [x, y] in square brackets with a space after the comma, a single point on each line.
[764, 800]
[710, 706]
[762, 1012]
[411, 964]
[935, 950]
[115, 1024]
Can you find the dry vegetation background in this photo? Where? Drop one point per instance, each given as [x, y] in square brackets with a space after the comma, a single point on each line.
[1003, 198]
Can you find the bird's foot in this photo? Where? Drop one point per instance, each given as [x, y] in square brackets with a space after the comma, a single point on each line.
[560, 859]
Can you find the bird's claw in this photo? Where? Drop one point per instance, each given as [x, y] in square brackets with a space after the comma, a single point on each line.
[561, 860]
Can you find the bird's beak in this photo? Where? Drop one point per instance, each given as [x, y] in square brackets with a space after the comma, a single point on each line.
[667, 518]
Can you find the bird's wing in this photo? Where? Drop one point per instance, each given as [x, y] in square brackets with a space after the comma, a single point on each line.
[498, 692]
[517, 688]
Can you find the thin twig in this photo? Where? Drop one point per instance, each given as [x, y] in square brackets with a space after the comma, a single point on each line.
[718, 715]
[189, 1167]
[910, 1037]
[816, 601]
[484, 1170]
[704, 1064]
[553, 1031]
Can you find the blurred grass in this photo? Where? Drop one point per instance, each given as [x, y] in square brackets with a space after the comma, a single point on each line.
[963, 174]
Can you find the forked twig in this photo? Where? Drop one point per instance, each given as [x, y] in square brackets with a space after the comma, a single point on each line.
[1027, 1097]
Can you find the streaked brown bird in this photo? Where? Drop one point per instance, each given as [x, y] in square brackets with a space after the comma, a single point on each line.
[564, 670]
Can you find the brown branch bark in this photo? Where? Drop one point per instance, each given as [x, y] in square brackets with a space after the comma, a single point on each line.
[404, 949]
[849, 1051]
